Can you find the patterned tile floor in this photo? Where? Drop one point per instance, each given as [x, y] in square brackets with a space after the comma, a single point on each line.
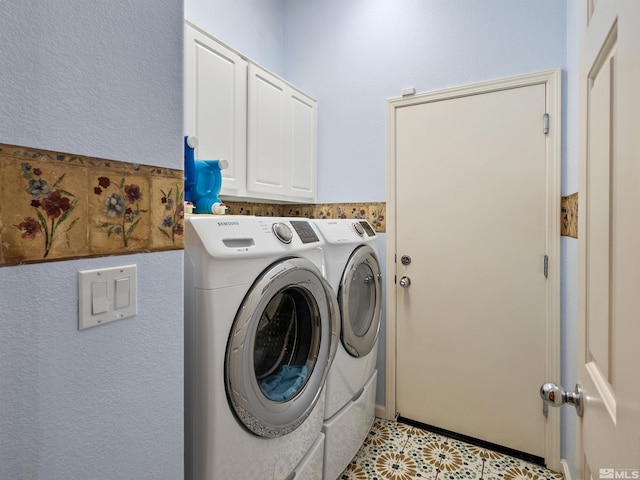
[401, 452]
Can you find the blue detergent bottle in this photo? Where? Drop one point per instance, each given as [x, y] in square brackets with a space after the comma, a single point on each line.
[202, 180]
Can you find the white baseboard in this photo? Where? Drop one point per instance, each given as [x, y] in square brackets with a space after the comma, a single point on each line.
[381, 412]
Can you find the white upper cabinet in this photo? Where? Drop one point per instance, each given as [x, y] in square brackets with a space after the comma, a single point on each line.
[263, 126]
[304, 145]
[216, 106]
[282, 139]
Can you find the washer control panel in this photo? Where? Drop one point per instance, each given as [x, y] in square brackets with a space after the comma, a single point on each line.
[366, 226]
[285, 230]
[234, 235]
[305, 231]
[343, 230]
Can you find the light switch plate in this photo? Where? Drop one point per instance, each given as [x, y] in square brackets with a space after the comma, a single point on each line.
[99, 305]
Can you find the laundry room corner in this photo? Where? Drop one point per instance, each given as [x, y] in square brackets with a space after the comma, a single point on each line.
[356, 69]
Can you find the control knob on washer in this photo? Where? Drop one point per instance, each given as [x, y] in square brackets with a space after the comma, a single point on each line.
[358, 228]
[282, 232]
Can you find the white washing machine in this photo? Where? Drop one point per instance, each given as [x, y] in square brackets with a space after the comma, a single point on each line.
[354, 273]
[261, 330]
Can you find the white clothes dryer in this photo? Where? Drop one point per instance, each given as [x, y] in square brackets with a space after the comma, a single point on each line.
[354, 273]
[261, 331]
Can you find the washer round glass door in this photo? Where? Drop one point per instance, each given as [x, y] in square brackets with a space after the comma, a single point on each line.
[360, 297]
[281, 345]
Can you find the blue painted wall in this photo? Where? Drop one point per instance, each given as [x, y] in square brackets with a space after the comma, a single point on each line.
[252, 27]
[100, 79]
[354, 55]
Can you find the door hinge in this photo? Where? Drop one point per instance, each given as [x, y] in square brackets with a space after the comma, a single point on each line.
[546, 266]
[545, 123]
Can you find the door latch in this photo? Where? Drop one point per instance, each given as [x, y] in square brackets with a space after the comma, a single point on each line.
[555, 396]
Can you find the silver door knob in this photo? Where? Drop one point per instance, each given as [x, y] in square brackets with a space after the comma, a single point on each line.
[405, 282]
[555, 396]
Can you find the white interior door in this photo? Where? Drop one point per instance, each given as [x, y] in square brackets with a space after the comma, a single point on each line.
[477, 325]
[609, 246]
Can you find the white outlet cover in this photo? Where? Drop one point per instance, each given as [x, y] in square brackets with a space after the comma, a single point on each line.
[91, 283]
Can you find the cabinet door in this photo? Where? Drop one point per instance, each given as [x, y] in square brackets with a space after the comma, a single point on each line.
[303, 145]
[215, 106]
[282, 140]
[267, 150]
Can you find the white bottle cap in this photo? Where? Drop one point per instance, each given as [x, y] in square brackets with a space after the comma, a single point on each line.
[192, 141]
[218, 209]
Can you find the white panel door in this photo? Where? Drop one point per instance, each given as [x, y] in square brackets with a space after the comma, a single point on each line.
[609, 240]
[472, 210]
[216, 105]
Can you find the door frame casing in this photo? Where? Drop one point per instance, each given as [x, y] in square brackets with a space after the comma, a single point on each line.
[552, 81]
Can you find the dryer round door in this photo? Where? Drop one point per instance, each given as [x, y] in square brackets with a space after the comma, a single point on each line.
[282, 342]
[360, 297]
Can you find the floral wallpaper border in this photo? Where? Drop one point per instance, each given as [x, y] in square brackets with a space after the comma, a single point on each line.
[375, 212]
[60, 206]
[569, 217]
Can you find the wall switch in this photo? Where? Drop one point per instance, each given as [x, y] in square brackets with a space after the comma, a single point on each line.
[123, 293]
[99, 300]
[106, 294]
